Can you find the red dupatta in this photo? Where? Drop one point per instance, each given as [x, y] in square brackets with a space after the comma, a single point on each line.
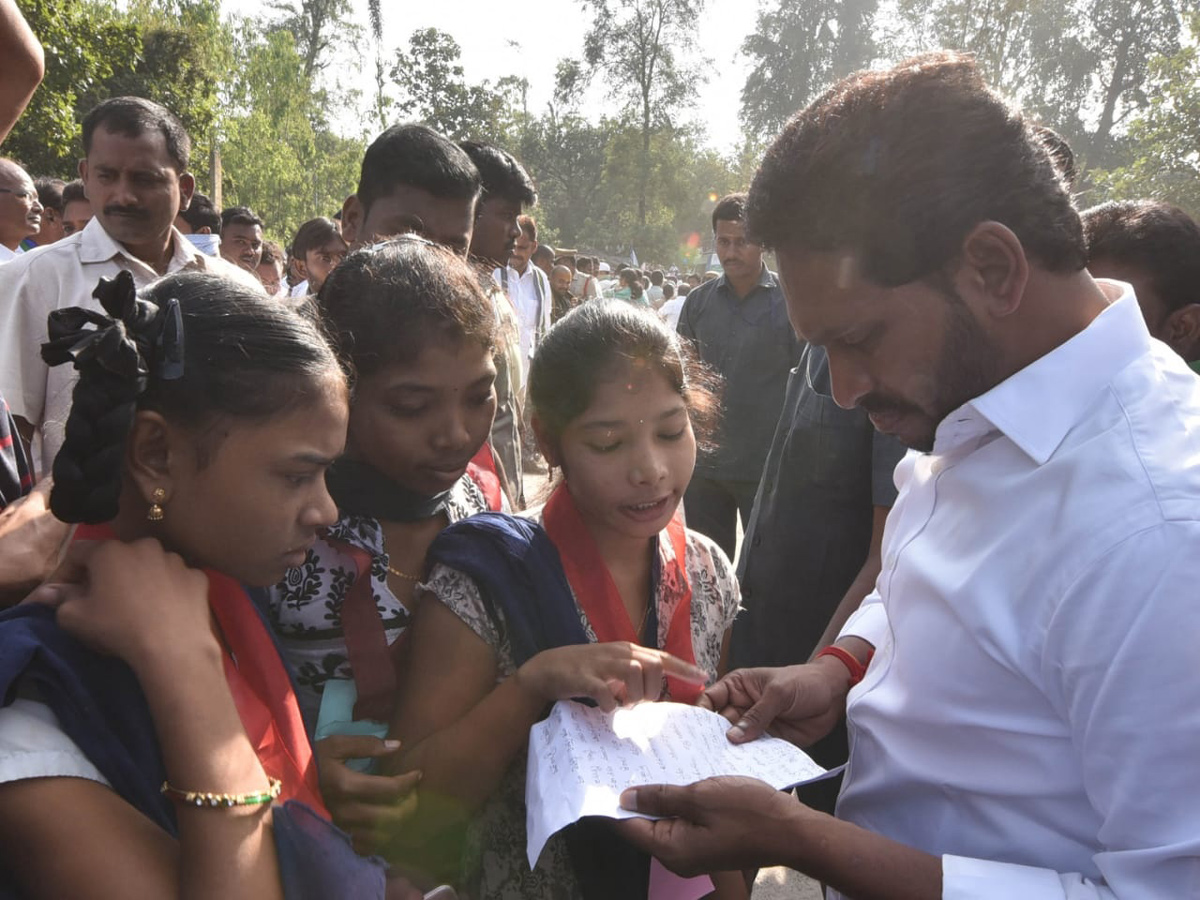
[597, 593]
[259, 683]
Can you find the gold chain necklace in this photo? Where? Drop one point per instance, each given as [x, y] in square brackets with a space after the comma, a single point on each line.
[403, 575]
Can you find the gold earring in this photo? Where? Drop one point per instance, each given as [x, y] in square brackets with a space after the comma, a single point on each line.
[156, 511]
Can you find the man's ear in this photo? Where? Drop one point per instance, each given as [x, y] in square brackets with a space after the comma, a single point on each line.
[187, 187]
[1181, 330]
[150, 454]
[352, 219]
[993, 269]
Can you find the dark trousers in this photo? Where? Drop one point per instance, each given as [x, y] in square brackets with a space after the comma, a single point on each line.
[712, 508]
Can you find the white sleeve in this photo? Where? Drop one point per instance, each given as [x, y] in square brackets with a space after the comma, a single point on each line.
[868, 622]
[33, 745]
[22, 331]
[1123, 676]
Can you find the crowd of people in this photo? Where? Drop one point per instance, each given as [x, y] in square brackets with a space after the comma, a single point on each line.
[285, 595]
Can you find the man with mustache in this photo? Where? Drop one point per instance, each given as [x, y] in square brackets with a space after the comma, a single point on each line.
[135, 173]
[20, 211]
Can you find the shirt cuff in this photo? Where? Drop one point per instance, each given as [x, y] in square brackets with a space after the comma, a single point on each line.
[868, 622]
[964, 878]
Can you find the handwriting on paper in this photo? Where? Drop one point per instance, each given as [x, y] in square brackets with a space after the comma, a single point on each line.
[581, 759]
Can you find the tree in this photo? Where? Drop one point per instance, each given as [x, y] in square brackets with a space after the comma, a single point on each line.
[278, 155]
[1079, 65]
[1163, 138]
[630, 45]
[95, 51]
[317, 26]
[797, 49]
[434, 90]
[566, 155]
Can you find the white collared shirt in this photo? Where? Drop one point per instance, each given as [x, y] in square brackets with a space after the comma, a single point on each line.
[1032, 713]
[529, 292]
[59, 275]
[7, 255]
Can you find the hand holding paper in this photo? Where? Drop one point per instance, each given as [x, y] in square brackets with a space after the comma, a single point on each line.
[581, 759]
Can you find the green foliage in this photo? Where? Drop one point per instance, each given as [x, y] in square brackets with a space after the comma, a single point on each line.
[318, 27]
[1163, 146]
[434, 90]
[797, 49]
[630, 45]
[278, 155]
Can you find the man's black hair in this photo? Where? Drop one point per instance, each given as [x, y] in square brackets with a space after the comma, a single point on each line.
[239, 215]
[656, 277]
[501, 174]
[202, 214]
[893, 168]
[73, 192]
[731, 208]
[1156, 237]
[133, 117]
[416, 156]
[542, 251]
[50, 192]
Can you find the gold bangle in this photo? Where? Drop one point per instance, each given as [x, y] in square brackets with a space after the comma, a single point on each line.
[198, 798]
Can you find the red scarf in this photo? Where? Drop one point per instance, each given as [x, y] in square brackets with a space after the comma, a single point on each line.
[259, 684]
[597, 593]
[483, 472]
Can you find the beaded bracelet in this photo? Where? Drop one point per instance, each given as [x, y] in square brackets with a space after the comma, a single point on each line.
[198, 798]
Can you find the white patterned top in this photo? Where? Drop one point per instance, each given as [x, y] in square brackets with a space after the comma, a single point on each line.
[306, 607]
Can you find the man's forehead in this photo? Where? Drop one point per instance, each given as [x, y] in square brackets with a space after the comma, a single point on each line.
[731, 228]
[119, 150]
[825, 291]
[14, 176]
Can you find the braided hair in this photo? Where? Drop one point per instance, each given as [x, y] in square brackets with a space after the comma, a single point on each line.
[193, 347]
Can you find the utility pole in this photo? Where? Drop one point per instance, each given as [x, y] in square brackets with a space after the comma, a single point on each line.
[214, 167]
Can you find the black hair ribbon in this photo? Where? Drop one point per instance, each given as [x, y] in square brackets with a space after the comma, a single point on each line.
[115, 339]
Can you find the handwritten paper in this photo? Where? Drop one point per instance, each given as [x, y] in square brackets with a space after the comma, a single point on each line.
[581, 759]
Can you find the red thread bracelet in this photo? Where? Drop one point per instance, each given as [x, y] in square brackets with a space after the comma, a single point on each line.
[857, 669]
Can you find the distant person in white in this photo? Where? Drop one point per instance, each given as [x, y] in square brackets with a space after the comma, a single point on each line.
[528, 288]
[1029, 725]
[20, 211]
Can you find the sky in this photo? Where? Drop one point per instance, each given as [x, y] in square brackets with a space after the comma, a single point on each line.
[545, 31]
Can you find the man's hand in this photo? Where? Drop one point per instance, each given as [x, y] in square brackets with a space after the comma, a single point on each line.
[798, 703]
[31, 542]
[714, 825]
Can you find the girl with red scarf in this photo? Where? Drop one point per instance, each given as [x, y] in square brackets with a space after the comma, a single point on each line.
[602, 594]
[150, 741]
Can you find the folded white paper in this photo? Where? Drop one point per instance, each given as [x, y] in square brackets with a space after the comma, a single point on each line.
[581, 759]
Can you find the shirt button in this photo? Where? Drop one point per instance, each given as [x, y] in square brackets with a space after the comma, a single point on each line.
[757, 542]
[889, 560]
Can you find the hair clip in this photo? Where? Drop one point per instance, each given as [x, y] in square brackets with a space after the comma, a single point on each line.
[170, 342]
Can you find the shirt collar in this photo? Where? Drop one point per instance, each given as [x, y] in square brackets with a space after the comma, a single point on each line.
[1036, 407]
[765, 280]
[97, 245]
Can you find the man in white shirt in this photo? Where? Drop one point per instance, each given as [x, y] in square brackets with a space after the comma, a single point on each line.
[1029, 723]
[135, 174]
[20, 210]
[528, 289]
